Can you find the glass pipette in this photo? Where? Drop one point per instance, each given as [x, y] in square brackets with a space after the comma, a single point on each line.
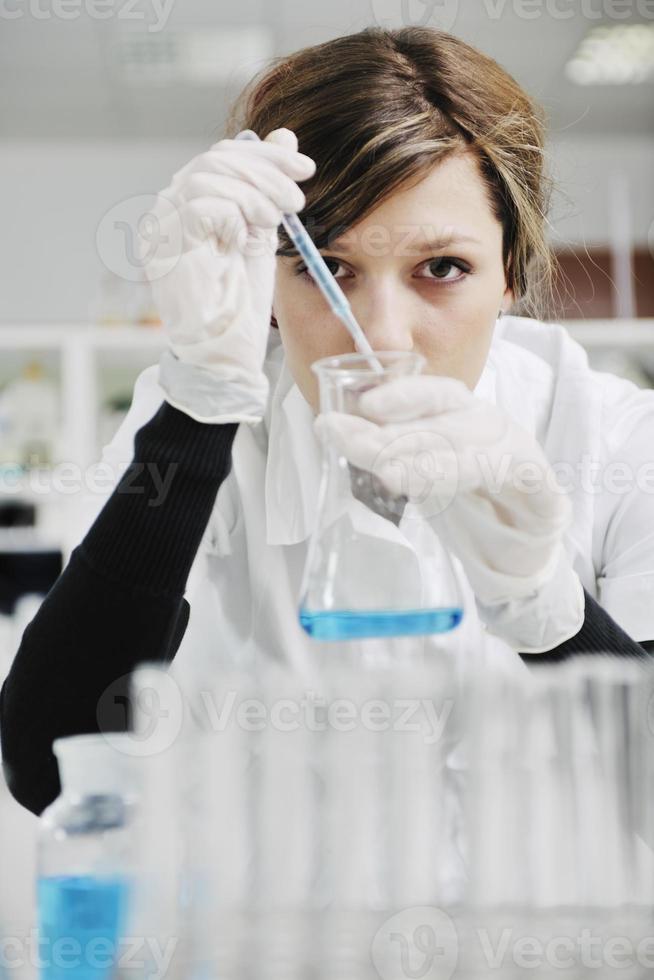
[324, 279]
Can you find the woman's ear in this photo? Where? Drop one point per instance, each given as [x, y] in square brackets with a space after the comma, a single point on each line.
[507, 300]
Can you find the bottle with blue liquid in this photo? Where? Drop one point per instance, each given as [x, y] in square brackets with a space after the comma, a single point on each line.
[375, 566]
[86, 860]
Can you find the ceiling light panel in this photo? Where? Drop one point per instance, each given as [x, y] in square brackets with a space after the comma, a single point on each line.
[621, 54]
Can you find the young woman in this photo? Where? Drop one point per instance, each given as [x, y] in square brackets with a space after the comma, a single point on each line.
[417, 164]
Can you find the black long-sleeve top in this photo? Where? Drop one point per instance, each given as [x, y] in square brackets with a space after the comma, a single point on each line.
[120, 601]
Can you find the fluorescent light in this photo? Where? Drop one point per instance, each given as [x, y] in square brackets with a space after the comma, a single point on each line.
[197, 57]
[622, 54]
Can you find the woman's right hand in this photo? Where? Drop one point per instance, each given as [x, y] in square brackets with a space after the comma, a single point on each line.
[208, 250]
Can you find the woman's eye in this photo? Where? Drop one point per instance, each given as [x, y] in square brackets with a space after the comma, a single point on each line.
[301, 270]
[440, 268]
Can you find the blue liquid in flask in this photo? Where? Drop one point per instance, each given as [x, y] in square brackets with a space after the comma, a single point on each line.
[89, 912]
[352, 624]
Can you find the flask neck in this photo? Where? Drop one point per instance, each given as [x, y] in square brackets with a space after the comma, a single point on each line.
[90, 765]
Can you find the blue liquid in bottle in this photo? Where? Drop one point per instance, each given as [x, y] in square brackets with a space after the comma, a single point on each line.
[349, 624]
[90, 913]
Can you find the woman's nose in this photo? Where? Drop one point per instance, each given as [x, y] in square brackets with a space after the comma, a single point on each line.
[386, 325]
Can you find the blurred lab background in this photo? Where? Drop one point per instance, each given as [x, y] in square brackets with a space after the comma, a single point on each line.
[101, 103]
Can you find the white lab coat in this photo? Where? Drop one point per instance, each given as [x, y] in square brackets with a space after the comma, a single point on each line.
[596, 429]
[244, 585]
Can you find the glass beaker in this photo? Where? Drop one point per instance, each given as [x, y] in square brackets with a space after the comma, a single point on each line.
[375, 567]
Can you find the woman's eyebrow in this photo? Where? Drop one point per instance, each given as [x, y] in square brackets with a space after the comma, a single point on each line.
[407, 241]
[455, 238]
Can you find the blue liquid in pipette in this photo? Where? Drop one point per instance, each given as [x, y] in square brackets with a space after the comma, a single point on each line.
[348, 624]
[88, 914]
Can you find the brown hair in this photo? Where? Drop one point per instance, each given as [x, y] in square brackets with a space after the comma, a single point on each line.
[379, 107]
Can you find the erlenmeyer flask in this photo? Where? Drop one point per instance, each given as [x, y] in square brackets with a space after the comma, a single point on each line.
[375, 566]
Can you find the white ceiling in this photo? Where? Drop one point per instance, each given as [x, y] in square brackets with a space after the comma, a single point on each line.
[58, 77]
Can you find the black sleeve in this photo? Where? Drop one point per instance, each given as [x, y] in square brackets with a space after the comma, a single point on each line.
[598, 634]
[118, 602]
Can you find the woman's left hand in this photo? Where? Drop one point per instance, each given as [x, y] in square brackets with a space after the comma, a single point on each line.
[487, 488]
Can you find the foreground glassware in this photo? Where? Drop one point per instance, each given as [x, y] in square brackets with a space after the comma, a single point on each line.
[86, 859]
[320, 832]
[375, 567]
[559, 817]
[561, 794]
[298, 819]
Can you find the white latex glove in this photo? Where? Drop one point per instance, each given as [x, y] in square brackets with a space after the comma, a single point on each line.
[208, 250]
[488, 490]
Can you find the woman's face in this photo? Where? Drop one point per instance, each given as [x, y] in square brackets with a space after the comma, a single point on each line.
[422, 272]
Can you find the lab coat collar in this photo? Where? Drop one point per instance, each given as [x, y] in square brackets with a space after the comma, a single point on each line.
[294, 455]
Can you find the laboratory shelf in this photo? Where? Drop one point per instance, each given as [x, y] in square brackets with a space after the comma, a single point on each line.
[85, 352]
[91, 365]
[626, 335]
[119, 336]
